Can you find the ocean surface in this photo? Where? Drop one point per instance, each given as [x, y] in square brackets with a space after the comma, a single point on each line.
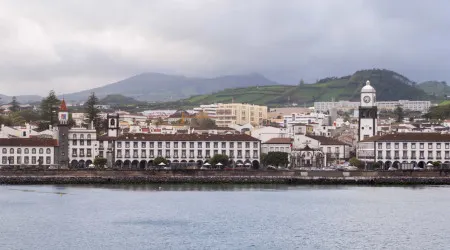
[224, 217]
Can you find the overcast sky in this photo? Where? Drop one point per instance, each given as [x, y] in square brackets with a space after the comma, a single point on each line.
[71, 45]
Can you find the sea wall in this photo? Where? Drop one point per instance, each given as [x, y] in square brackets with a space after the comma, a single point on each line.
[32, 177]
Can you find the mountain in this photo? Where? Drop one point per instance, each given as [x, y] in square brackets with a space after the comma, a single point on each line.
[118, 100]
[162, 87]
[22, 99]
[388, 84]
[435, 88]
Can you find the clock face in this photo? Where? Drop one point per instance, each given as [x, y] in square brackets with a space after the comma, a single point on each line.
[366, 99]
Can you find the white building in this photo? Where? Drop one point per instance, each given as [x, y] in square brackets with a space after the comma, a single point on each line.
[139, 150]
[27, 151]
[266, 133]
[420, 106]
[277, 145]
[368, 113]
[406, 150]
[83, 147]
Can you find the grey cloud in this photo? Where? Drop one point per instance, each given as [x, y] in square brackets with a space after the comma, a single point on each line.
[73, 45]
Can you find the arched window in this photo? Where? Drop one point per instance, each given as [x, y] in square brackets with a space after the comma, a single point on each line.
[48, 151]
[27, 151]
[41, 151]
[19, 150]
[11, 151]
[89, 136]
[33, 151]
[74, 136]
[81, 136]
[4, 151]
[112, 122]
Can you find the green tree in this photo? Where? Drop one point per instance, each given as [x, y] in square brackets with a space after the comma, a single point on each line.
[49, 108]
[15, 107]
[16, 119]
[203, 123]
[223, 159]
[357, 163]
[399, 114]
[100, 162]
[263, 158]
[159, 159]
[92, 111]
[277, 158]
[29, 115]
[436, 164]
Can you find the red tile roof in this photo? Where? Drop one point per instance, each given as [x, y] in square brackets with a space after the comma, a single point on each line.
[182, 137]
[326, 140]
[400, 137]
[279, 141]
[63, 106]
[28, 142]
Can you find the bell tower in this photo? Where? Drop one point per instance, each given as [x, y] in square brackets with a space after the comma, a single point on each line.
[368, 113]
[62, 157]
[113, 125]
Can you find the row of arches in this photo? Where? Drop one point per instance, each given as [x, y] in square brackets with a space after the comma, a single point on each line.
[407, 165]
[80, 163]
[135, 164]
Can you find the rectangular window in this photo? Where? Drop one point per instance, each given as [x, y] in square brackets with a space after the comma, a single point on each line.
[208, 144]
[191, 144]
[175, 144]
[413, 146]
[199, 153]
[224, 152]
[396, 154]
[447, 154]
[388, 145]
[421, 145]
[81, 142]
[81, 152]
[143, 144]
[33, 160]
[127, 153]
[447, 145]
[152, 145]
[405, 154]
[19, 160]
[380, 145]
[88, 142]
[208, 155]
[143, 153]
[191, 153]
[438, 145]
[223, 144]
[48, 160]
[183, 153]
[422, 155]
[135, 144]
[74, 152]
[216, 152]
[175, 153]
[239, 153]
[430, 154]
[231, 144]
[119, 153]
[413, 154]
[329, 150]
[199, 144]
[89, 152]
[336, 150]
[380, 154]
[151, 154]
[159, 153]
[255, 145]
[231, 153]
[4, 160]
[255, 153]
[159, 144]
[74, 142]
[388, 154]
[247, 144]
[183, 145]
[127, 144]
[405, 145]
[167, 153]
[168, 144]
[239, 144]
[27, 159]
[430, 145]
[135, 153]
[438, 154]
[216, 144]
[119, 144]
[100, 153]
[396, 145]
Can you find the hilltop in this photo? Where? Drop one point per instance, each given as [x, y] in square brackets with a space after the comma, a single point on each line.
[435, 88]
[389, 85]
[162, 87]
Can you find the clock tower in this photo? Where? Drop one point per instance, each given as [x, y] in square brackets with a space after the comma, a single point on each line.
[368, 113]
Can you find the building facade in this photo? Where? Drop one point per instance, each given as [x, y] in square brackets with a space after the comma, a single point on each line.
[419, 106]
[240, 114]
[139, 150]
[28, 151]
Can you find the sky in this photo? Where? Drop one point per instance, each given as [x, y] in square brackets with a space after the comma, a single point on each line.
[74, 45]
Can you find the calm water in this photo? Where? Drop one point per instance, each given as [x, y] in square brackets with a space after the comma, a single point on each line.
[224, 217]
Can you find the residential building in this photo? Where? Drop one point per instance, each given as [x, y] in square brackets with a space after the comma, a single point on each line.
[83, 147]
[240, 114]
[28, 151]
[420, 106]
[277, 145]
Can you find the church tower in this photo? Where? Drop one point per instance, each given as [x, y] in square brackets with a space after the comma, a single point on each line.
[62, 157]
[368, 113]
[113, 125]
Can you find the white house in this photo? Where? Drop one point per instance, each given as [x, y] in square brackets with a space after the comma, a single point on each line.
[266, 133]
[83, 147]
[27, 151]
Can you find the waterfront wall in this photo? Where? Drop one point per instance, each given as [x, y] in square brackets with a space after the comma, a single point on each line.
[222, 177]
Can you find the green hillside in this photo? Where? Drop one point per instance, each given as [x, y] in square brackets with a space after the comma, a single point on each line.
[389, 85]
[435, 88]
